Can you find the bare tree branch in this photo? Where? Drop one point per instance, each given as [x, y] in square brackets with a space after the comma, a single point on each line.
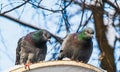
[111, 4]
[65, 17]
[51, 9]
[81, 19]
[31, 26]
[15, 8]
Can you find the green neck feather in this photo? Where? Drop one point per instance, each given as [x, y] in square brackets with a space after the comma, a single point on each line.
[37, 36]
[81, 35]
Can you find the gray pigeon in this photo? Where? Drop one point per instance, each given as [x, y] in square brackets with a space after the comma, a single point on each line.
[78, 46]
[32, 47]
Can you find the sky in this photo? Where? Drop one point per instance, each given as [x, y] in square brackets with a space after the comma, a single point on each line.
[10, 32]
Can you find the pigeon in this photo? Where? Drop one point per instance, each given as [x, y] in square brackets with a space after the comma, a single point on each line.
[78, 46]
[32, 48]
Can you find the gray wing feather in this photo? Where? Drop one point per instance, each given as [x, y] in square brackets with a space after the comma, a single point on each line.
[18, 52]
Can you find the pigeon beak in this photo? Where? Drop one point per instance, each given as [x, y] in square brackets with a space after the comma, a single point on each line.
[49, 41]
[91, 35]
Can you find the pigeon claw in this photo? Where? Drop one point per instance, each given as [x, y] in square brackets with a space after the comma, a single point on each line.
[27, 66]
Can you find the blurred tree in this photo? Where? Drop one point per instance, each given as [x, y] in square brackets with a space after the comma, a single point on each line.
[67, 16]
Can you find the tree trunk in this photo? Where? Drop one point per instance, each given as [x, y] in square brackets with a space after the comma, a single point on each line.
[107, 62]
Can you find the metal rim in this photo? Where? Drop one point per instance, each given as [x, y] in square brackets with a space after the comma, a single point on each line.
[57, 63]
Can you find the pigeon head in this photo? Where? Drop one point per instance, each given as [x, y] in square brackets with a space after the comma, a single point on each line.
[87, 34]
[41, 36]
[46, 35]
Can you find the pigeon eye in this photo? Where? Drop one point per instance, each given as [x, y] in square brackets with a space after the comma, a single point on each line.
[45, 35]
[87, 31]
